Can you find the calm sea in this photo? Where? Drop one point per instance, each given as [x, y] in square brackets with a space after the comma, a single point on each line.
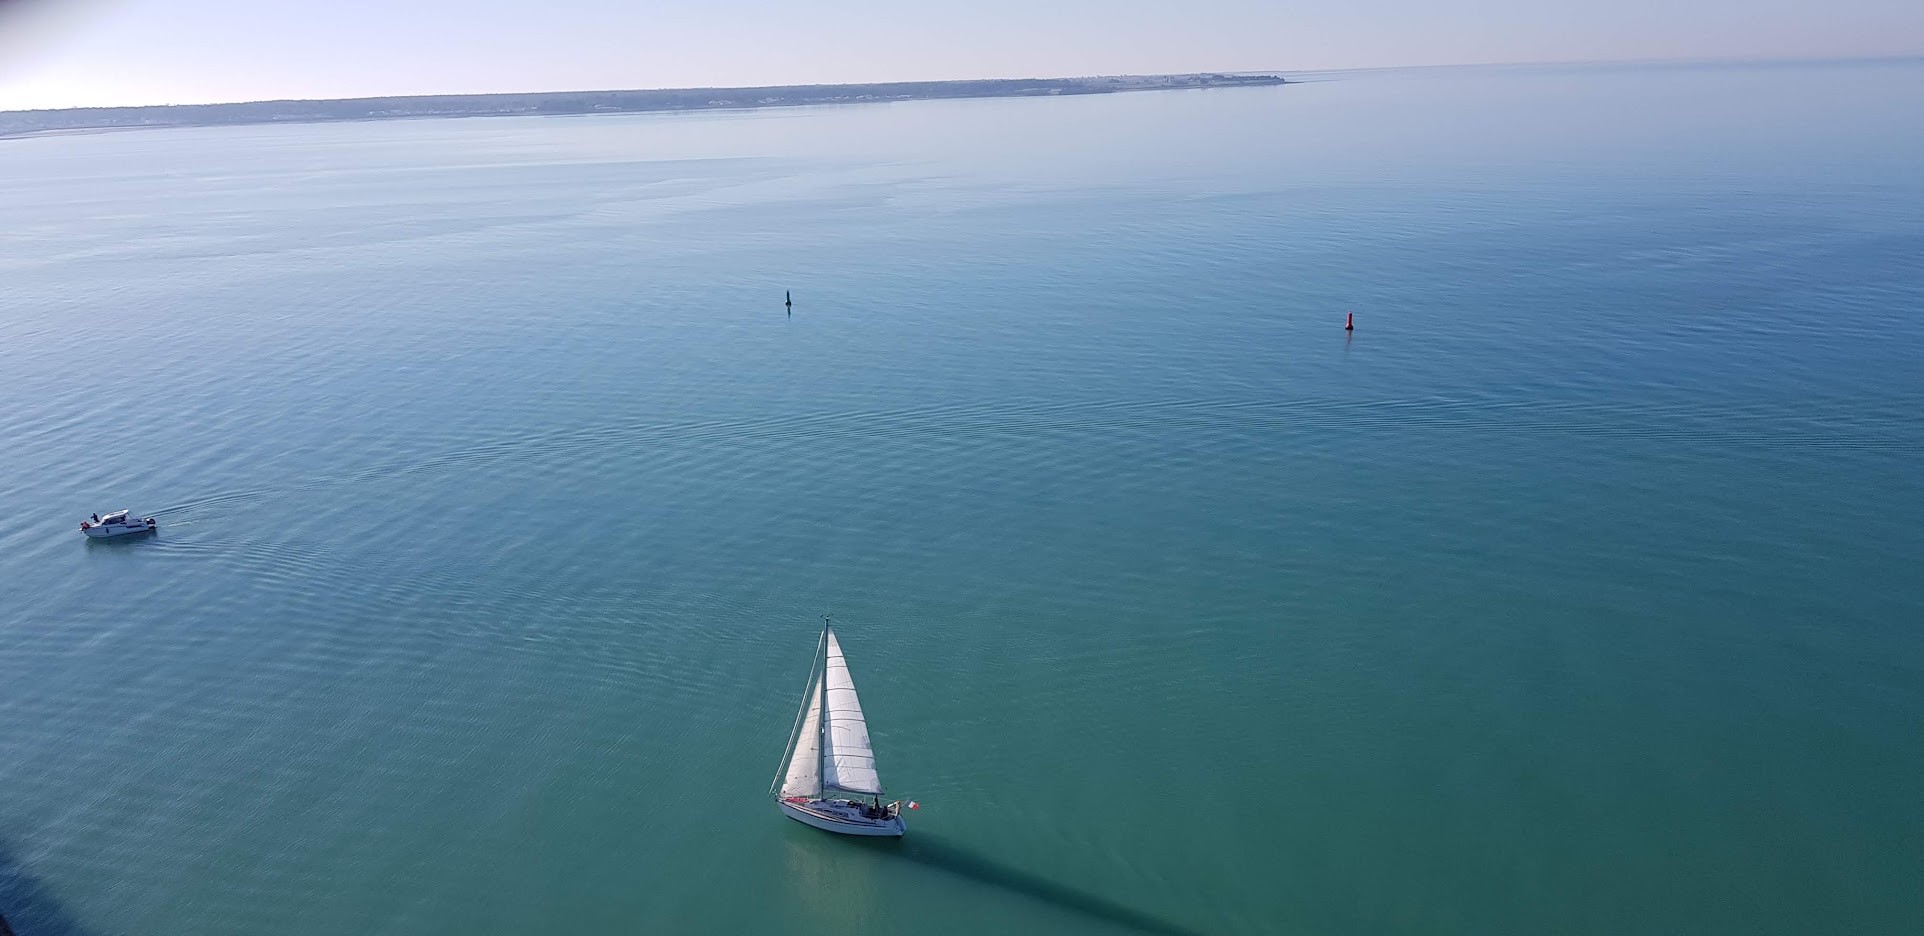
[1576, 592]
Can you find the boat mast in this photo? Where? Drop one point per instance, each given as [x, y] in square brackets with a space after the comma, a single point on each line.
[821, 747]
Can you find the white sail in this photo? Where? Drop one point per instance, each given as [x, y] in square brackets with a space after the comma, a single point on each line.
[804, 777]
[848, 762]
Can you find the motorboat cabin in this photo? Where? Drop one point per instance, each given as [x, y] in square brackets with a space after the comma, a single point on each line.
[116, 523]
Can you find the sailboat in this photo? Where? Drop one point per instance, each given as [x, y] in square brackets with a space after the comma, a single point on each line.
[829, 754]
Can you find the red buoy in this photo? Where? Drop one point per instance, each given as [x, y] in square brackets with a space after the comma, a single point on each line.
[1351, 324]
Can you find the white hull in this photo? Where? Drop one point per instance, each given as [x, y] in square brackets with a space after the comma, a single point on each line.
[100, 530]
[832, 816]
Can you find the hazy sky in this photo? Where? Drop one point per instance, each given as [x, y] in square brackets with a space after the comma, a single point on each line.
[63, 53]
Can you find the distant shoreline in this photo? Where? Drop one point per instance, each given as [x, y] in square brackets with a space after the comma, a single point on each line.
[549, 103]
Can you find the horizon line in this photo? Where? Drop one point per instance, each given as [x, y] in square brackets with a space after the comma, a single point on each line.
[1279, 73]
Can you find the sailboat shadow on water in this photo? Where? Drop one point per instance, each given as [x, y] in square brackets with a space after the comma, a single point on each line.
[27, 906]
[935, 854]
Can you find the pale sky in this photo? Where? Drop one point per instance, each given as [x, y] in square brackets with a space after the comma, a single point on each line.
[65, 53]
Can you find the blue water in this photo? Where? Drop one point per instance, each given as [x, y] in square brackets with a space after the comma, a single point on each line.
[500, 497]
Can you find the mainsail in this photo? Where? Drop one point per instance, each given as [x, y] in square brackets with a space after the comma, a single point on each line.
[804, 777]
[848, 763]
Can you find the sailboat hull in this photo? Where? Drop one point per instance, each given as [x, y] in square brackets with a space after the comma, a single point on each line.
[833, 816]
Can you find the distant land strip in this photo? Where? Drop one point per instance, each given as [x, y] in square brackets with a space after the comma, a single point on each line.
[556, 103]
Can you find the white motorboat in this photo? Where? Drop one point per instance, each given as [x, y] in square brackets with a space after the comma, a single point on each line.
[117, 524]
[829, 753]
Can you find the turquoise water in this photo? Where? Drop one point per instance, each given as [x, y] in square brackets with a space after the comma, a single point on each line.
[1575, 592]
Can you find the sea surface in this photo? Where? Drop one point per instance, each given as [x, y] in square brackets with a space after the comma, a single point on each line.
[1577, 591]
